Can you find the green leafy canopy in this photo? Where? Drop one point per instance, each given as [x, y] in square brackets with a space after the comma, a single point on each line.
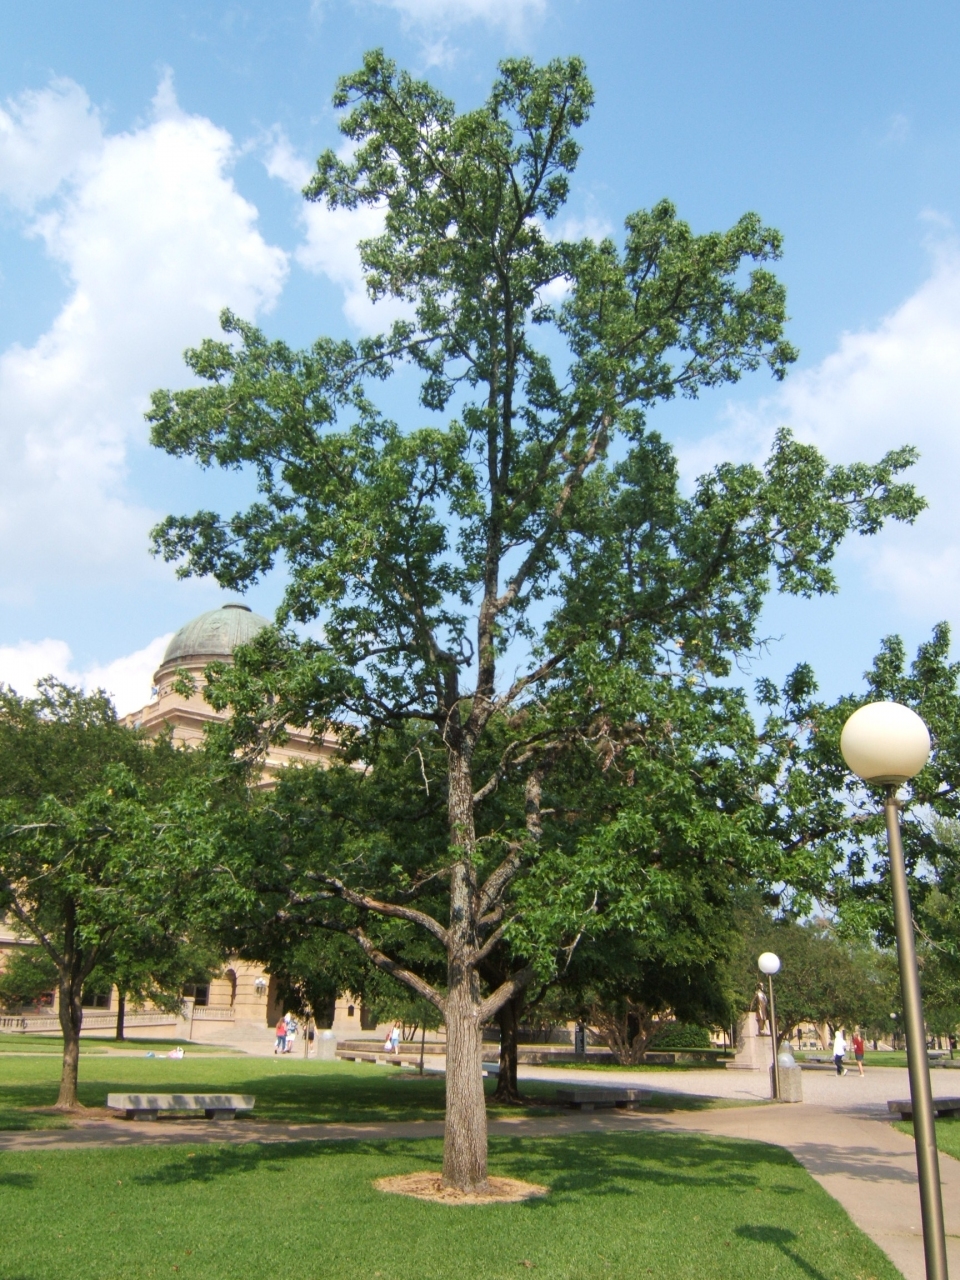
[476, 567]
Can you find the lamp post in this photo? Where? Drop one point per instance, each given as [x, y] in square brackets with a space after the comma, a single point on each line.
[769, 963]
[886, 743]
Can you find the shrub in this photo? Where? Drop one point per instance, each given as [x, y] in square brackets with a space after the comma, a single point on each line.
[680, 1035]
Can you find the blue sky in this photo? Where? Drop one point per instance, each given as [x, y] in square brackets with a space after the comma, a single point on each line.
[150, 156]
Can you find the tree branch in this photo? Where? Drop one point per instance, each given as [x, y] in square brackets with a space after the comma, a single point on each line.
[377, 957]
[506, 991]
[498, 879]
[390, 909]
[482, 952]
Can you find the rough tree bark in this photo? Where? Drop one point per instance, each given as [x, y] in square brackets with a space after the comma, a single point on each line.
[121, 1013]
[465, 1134]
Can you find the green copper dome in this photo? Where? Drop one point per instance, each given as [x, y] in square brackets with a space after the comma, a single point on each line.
[214, 635]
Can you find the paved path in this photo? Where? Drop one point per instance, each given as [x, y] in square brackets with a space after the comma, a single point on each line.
[864, 1163]
[850, 1093]
[859, 1158]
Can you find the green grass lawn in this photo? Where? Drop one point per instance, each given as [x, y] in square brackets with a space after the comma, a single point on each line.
[882, 1058]
[286, 1089]
[708, 1065]
[14, 1042]
[948, 1134]
[673, 1206]
[289, 1090]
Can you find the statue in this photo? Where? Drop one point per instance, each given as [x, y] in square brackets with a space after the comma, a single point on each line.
[760, 1004]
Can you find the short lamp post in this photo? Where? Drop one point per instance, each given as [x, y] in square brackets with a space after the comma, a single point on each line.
[886, 743]
[769, 963]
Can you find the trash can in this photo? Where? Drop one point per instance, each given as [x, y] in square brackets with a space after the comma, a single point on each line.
[327, 1048]
[791, 1086]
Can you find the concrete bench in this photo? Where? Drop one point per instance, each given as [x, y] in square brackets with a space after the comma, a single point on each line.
[352, 1055]
[941, 1107]
[588, 1099]
[147, 1106]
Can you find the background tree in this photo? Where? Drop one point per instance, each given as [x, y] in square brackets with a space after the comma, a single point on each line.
[100, 832]
[824, 979]
[149, 962]
[459, 567]
[28, 975]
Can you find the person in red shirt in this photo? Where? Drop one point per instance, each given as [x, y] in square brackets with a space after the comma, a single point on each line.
[858, 1050]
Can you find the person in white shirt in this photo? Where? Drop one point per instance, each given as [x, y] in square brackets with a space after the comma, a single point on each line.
[839, 1049]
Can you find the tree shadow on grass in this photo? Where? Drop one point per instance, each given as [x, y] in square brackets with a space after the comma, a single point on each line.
[574, 1166]
[781, 1239]
[609, 1163]
[208, 1164]
[20, 1181]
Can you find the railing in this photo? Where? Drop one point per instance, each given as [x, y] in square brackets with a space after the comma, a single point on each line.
[97, 1018]
[29, 1022]
[93, 1020]
[214, 1013]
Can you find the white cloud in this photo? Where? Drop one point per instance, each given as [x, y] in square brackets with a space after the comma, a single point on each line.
[154, 239]
[45, 138]
[897, 383]
[330, 242]
[127, 680]
[511, 15]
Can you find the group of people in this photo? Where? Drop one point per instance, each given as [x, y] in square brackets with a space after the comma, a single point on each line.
[840, 1050]
[286, 1034]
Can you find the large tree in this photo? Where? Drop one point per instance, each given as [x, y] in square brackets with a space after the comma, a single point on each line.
[461, 565]
[105, 839]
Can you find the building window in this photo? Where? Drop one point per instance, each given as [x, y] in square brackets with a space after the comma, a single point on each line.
[95, 1000]
[200, 992]
[349, 1010]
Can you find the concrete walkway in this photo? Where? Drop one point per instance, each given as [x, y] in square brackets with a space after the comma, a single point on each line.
[851, 1094]
[864, 1163]
[859, 1158]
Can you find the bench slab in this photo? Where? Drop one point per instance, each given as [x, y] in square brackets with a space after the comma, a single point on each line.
[147, 1106]
[587, 1099]
[941, 1107]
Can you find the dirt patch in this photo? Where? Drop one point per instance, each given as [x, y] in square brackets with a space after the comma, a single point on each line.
[429, 1186]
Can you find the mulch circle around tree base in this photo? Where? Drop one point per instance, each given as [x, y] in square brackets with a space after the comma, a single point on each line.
[429, 1186]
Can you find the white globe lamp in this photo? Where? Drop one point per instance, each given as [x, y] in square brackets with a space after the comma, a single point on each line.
[885, 742]
[769, 963]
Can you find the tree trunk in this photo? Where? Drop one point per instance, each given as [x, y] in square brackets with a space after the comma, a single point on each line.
[71, 1011]
[121, 1012]
[71, 1019]
[465, 1130]
[508, 1017]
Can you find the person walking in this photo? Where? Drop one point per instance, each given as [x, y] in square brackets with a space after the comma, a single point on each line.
[858, 1050]
[395, 1038]
[281, 1045]
[839, 1049]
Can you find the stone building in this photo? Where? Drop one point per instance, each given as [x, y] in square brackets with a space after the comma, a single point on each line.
[239, 1006]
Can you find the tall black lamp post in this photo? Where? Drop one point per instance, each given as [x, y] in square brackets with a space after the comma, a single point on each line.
[886, 743]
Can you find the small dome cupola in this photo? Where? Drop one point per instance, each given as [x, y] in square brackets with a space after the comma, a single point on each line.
[213, 635]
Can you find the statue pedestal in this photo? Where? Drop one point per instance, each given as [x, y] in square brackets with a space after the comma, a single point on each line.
[754, 1052]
